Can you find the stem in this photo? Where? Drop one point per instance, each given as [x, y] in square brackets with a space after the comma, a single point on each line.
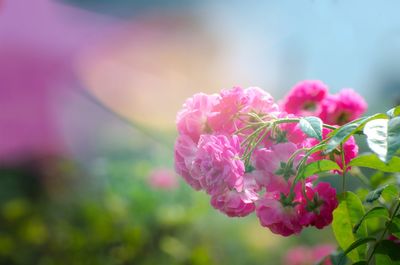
[253, 146]
[293, 120]
[384, 231]
[344, 168]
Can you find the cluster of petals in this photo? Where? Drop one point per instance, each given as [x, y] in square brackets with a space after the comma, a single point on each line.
[210, 153]
[311, 98]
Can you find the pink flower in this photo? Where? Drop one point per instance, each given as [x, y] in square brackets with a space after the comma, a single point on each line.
[298, 256]
[285, 132]
[239, 204]
[343, 107]
[303, 255]
[192, 119]
[279, 218]
[271, 166]
[185, 151]
[317, 210]
[217, 163]
[322, 251]
[163, 179]
[234, 105]
[305, 98]
[350, 148]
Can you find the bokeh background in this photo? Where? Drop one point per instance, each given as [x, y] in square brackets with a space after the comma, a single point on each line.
[89, 90]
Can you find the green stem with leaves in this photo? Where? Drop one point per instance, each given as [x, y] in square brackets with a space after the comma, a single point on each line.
[388, 224]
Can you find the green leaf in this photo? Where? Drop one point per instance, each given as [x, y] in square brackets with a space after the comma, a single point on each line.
[372, 161]
[341, 134]
[383, 259]
[320, 166]
[376, 212]
[361, 262]
[394, 227]
[393, 137]
[389, 251]
[390, 192]
[375, 194]
[312, 126]
[345, 217]
[394, 112]
[383, 137]
[376, 132]
[357, 243]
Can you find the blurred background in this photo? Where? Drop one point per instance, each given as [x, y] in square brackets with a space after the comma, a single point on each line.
[89, 90]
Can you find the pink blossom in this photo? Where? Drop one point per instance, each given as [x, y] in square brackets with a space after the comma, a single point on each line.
[234, 203]
[279, 218]
[163, 179]
[317, 210]
[192, 119]
[343, 107]
[303, 255]
[350, 148]
[271, 166]
[217, 163]
[322, 251]
[305, 98]
[185, 151]
[234, 104]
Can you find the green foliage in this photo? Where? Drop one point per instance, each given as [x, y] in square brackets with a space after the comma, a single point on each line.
[345, 217]
[393, 112]
[343, 133]
[312, 126]
[375, 194]
[372, 161]
[359, 242]
[319, 167]
[387, 253]
[383, 137]
[340, 135]
[376, 212]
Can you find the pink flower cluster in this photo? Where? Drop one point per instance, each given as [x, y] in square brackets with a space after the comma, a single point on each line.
[210, 148]
[311, 98]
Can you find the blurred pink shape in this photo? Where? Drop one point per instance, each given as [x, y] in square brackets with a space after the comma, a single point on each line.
[38, 42]
[28, 80]
[303, 255]
[163, 179]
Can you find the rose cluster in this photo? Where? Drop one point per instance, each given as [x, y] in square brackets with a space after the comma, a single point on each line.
[225, 148]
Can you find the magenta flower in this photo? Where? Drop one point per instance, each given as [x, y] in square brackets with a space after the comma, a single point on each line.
[192, 119]
[217, 165]
[305, 98]
[317, 210]
[343, 107]
[279, 218]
